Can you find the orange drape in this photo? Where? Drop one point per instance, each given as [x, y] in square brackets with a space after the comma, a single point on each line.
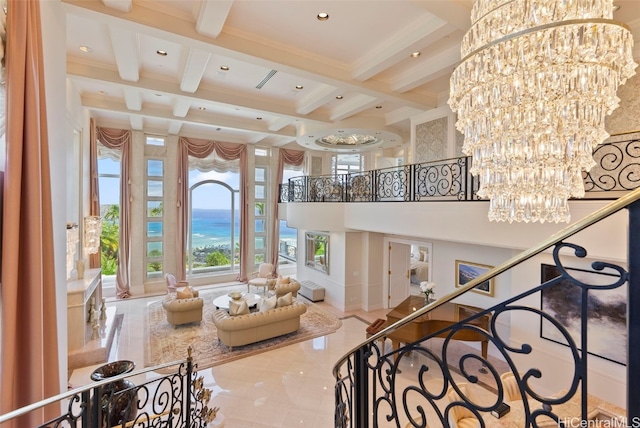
[94, 189]
[29, 361]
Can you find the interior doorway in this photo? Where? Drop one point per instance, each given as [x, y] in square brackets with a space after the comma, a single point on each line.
[407, 264]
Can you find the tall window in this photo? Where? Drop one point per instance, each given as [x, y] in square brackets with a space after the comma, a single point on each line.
[109, 185]
[288, 240]
[213, 244]
[344, 164]
[155, 153]
[261, 210]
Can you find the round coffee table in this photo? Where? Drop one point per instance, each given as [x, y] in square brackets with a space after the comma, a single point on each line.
[222, 302]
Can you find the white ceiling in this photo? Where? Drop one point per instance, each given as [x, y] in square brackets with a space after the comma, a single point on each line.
[362, 53]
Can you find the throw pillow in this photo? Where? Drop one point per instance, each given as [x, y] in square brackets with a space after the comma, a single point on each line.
[184, 294]
[268, 303]
[238, 308]
[285, 300]
[271, 284]
[283, 280]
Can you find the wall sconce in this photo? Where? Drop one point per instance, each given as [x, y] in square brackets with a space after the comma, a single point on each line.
[72, 240]
[92, 232]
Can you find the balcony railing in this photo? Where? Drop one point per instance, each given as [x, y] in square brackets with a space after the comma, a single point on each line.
[369, 392]
[174, 400]
[616, 172]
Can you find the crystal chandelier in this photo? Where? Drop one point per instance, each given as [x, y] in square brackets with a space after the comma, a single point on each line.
[536, 81]
[92, 232]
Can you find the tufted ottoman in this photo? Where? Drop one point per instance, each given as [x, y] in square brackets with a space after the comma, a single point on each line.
[311, 291]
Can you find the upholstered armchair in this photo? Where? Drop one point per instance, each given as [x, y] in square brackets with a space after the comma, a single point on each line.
[261, 277]
[182, 310]
[459, 416]
[281, 286]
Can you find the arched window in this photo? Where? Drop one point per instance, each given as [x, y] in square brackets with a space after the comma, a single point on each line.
[213, 241]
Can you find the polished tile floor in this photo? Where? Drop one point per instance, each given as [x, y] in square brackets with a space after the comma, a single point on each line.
[288, 387]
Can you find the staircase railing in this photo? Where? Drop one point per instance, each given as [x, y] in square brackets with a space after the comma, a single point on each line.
[369, 393]
[174, 400]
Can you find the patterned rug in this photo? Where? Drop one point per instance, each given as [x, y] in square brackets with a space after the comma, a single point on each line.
[164, 344]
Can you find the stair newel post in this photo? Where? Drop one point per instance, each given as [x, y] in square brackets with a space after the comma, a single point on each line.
[633, 317]
[361, 392]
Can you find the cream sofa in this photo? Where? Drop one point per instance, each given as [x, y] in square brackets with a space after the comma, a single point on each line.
[250, 328]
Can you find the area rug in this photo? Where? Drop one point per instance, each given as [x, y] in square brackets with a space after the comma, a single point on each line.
[164, 343]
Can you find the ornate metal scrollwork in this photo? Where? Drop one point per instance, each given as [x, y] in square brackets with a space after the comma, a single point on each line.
[617, 167]
[440, 381]
[392, 184]
[441, 179]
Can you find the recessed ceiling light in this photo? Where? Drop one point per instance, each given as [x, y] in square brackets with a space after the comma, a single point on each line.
[224, 68]
[415, 54]
[299, 86]
[218, 129]
[102, 92]
[161, 52]
[322, 16]
[339, 97]
[616, 7]
[158, 95]
[259, 118]
[86, 49]
[202, 108]
[378, 106]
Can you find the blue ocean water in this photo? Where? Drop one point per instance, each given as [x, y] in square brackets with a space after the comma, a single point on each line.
[212, 227]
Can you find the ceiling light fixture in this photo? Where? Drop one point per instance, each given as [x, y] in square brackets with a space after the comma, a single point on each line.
[86, 49]
[259, 118]
[339, 97]
[299, 86]
[202, 108]
[532, 91]
[224, 68]
[322, 16]
[378, 107]
[415, 54]
[161, 52]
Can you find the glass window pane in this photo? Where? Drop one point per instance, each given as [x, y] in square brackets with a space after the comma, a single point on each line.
[154, 209]
[259, 226]
[259, 191]
[259, 242]
[260, 208]
[154, 229]
[109, 191]
[154, 249]
[108, 166]
[259, 259]
[261, 152]
[154, 167]
[154, 270]
[155, 141]
[154, 188]
[260, 173]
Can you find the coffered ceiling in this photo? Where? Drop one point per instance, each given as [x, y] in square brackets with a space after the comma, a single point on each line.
[264, 71]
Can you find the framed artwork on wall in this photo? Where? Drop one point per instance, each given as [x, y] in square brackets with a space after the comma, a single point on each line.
[606, 317]
[468, 271]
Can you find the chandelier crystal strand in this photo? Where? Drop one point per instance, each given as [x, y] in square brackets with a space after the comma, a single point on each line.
[532, 91]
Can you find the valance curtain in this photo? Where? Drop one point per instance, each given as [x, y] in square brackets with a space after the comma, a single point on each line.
[285, 157]
[201, 149]
[121, 140]
[29, 360]
[94, 190]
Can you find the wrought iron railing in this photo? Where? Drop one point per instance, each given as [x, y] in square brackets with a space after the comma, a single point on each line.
[175, 400]
[617, 170]
[368, 391]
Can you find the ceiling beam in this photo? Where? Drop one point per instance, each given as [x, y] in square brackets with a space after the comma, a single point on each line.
[136, 122]
[253, 51]
[455, 12]
[278, 124]
[212, 16]
[174, 127]
[400, 114]
[97, 73]
[197, 118]
[417, 36]
[436, 66]
[125, 48]
[122, 5]
[317, 98]
[353, 106]
[194, 68]
[181, 107]
[132, 98]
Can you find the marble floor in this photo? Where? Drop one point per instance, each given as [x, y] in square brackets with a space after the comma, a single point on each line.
[288, 387]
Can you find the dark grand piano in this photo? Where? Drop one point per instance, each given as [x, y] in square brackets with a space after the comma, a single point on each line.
[435, 320]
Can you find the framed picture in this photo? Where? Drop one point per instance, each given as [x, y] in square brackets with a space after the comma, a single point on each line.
[467, 271]
[606, 318]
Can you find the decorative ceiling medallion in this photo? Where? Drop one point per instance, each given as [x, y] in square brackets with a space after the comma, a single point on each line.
[342, 139]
